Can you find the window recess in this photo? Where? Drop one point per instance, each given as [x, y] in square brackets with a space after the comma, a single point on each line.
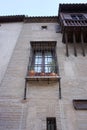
[43, 65]
[78, 17]
[44, 27]
[51, 123]
[80, 104]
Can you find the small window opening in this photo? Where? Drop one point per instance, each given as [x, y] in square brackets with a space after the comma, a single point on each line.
[81, 17]
[80, 104]
[74, 17]
[51, 123]
[77, 16]
[44, 27]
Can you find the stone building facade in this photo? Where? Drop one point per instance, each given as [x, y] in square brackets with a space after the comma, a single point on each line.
[43, 101]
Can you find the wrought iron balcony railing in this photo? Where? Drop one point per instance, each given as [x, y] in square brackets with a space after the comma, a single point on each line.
[35, 73]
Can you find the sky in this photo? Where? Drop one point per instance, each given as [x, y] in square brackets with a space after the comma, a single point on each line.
[33, 7]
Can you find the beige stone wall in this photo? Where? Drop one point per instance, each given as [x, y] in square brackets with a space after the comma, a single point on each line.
[9, 33]
[43, 98]
[12, 87]
[43, 101]
[73, 83]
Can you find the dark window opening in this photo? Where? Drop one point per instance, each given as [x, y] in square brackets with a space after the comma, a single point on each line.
[78, 16]
[74, 17]
[44, 27]
[80, 104]
[51, 123]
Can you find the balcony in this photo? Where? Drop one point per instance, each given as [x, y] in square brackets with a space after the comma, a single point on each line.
[32, 75]
[75, 23]
[43, 77]
[50, 77]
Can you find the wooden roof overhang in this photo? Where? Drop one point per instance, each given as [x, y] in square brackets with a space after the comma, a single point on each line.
[74, 25]
[15, 18]
[70, 25]
[70, 8]
[76, 32]
[26, 19]
[73, 30]
[41, 19]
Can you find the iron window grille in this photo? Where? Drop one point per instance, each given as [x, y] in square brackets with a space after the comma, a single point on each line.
[43, 64]
[43, 60]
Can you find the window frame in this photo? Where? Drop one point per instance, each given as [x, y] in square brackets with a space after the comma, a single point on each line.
[47, 46]
[43, 59]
